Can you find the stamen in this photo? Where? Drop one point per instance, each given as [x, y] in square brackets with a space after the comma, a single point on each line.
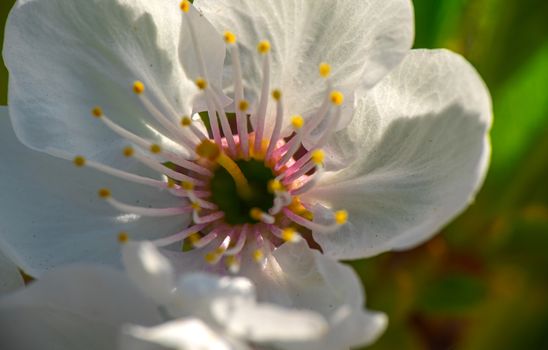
[340, 219]
[224, 123]
[263, 48]
[259, 215]
[242, 105]
[311, 182]
[211, 151]
[297, 122]
[152, 212]
[205, 240]
[163, 242]
[288, 234]
[233, 263]
[215, 256]
[240, 243]
[154, 165]
[207, 218]
[80, 161]
[186, 122]
[277, 96]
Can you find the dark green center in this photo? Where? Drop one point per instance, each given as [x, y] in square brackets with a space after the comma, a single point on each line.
[225, 194]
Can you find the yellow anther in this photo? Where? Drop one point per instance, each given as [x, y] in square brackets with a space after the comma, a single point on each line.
[325, 70]
[220, 251]
[297, 122]
[289, 235]
[104, 193]
[187, 186]
[138, 87]
[318, 156]
[231, 261]
[123, 237]
[211, 257]
[170, 183]
[128, 151]
[155, 148]
[97, 112]
[185, 5]
[209, 150]
[256, 214]
[243, 105]
[275, 186]
[194, 238]
[263, 47]
[230, 38]
[186, 121]
[201, 83]
[196, 206]
[341, 217]
[258, 255]
[277, 94]
[308, 215]
[337, 98]
[79, 161]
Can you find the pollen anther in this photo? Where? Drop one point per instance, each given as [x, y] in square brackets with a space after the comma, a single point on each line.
[337, 98]
[230, 38]
[128, 151]
[277, 94]
[341, 217]
[138, 87]
[185, 5]
[201, 83]
[297, 122]
[186, 121]
[318, 156]
[97, 112]
[263, 47]
[243, 105]
[104, 193]
[325, 70]
[123, 237]
[79, 161]
[155, 148]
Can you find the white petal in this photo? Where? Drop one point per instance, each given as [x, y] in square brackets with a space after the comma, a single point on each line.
[149, 270]
[181, 334]
[67, 56]
[51, 214]
[10, 278]
[362, 40]
[418, 150]
[198, 292]
[73, 308]
[301, 278]
[270, 323]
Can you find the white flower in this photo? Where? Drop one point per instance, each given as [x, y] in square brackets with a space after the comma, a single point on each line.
[93, 307]
[412, 157]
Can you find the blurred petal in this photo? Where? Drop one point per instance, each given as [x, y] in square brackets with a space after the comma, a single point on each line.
[417, 149]
[181, 334]
[51, 215]
[73, 308]
[362, 40]
[149, 270]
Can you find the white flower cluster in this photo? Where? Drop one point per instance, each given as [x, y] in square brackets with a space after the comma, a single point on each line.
[326, 138]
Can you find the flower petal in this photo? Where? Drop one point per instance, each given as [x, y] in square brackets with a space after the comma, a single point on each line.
[181, 334]
[149, 270]
[66, 57]
[10, 278]
[417, 149]
[298, 277]
[51, 214]
[362, 40]
[73, 308]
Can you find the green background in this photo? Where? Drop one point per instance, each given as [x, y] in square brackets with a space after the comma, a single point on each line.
[483, 282]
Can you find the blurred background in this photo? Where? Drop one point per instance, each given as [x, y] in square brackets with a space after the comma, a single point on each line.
[483, 282]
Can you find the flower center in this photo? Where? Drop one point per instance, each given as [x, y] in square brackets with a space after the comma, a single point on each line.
[239, 191]
[237, 208]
